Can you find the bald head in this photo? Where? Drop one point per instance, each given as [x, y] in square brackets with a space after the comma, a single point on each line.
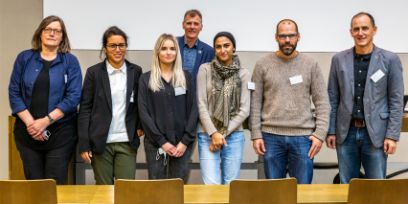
[286, 22]
[372, 21]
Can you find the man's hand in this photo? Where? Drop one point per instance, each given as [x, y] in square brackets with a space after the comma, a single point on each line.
[390, 146]
[331, 141]
[259, 146]
[316, 146]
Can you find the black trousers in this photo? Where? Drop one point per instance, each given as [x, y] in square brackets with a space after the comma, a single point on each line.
[173, 167]
[51, 162]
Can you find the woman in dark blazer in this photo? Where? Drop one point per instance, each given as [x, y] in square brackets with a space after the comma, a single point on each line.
[44, 92]
[108, 122]
[168, 112]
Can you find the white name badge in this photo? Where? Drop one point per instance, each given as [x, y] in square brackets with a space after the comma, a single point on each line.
[132, 96]
[251, 85]
[296, 79]
[377, 76]
[65, 78]
[179, 91]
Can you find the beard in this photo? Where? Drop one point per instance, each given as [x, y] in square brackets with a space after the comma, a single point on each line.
[287, 48]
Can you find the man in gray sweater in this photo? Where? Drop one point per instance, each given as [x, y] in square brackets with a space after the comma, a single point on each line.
[285, 130]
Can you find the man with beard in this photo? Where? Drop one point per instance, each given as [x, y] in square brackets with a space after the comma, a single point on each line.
[193, 51]
[285, 130]
[365, 120]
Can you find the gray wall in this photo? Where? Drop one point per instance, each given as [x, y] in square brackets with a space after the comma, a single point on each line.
[18, 20]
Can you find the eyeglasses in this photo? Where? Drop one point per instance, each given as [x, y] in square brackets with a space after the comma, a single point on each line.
[52, 30]
[121, 46]
[290, 36]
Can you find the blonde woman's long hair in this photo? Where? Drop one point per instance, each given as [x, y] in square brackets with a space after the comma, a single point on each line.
[178, 78]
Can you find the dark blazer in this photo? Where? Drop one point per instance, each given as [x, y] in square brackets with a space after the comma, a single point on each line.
[205, 54]
[383, 99]
[95, 112]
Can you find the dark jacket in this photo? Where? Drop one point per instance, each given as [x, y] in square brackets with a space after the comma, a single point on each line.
[95, 113]
[65, 82]
[205, 54]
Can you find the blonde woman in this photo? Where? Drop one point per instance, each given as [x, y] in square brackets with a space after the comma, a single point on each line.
[168, 112]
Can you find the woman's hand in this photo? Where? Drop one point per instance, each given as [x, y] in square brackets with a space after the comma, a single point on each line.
[169, 148]
[36, 129]
[139, 132]
[180, 149]
[217, 141]
[86, 156]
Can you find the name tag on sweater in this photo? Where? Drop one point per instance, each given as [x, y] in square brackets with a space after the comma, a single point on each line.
[132, 96]
[251, 85]
[377, 76]
[179, 91]
[296, 79]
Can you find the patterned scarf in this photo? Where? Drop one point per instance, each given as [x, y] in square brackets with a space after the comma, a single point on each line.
[225, 94]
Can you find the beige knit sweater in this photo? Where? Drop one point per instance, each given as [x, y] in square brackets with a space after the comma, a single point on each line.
[282, 101]
[204, 86]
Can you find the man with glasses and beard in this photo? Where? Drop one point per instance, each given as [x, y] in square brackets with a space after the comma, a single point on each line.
[285, 130]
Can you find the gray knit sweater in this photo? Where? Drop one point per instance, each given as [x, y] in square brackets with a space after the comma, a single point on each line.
[282, 107]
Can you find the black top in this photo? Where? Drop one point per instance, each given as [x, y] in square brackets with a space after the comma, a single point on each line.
[166, 117]
[361, 63]
[41, 90]
[62, 133]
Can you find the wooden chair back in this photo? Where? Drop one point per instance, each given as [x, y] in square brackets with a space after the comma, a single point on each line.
[379, 191]
[265, 191]
[42, 191]
[165, 191]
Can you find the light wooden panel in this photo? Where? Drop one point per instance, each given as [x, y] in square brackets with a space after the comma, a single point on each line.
[16, 171]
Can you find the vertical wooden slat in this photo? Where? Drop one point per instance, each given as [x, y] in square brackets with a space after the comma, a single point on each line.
[16, 171]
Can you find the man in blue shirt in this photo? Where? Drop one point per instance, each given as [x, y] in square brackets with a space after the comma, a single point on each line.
[193, 51]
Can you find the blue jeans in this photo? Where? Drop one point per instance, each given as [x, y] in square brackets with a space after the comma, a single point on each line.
[288, 153]
[358, 150]
[227, 160]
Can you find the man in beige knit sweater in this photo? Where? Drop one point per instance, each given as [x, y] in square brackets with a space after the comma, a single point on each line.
[284, 128]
